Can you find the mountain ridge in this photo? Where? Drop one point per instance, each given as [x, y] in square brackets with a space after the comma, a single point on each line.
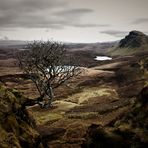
[133, 43]
[134, 39]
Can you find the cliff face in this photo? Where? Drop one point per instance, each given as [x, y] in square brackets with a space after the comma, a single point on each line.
[134, 39]
[17, 128]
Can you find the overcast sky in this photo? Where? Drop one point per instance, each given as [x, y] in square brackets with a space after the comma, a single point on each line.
[72, 20]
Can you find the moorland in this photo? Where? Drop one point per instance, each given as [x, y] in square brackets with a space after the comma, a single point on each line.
[105, 106]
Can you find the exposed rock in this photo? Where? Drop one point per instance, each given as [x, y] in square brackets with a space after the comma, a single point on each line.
[144, 96]
[17, 128]
[50, 134]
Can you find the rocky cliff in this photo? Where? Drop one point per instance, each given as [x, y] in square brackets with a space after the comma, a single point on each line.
[17, 128]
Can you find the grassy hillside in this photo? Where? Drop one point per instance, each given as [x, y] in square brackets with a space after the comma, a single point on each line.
[126, 51]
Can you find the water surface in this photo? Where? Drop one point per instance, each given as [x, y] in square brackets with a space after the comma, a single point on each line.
[102, 58]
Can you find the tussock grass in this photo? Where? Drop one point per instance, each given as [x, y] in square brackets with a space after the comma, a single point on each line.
[88, 93]
[46, 117]
[85, 115]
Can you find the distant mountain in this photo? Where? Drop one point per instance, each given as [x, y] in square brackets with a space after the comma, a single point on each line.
[95, 47]
[134, 42]
[134, 39]
[98, 47]
[85, 52]
[11, 44]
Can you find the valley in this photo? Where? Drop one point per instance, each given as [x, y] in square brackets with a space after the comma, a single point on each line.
[103, 94]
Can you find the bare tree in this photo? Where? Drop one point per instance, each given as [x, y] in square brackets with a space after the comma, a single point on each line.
[48, 65]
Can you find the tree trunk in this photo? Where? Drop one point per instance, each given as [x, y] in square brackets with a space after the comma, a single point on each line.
[44, 101]
[31, 102]
[49, 97]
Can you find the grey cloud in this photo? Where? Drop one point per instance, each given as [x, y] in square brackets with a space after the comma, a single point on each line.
[27, 13]
[140, 21]
[29, 5]
[73, 15]
[90, 25]
[115, 33]
[41, 14]
[74, 11]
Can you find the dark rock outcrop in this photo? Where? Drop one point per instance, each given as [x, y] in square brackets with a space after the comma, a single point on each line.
[17, 127]
[134, 39]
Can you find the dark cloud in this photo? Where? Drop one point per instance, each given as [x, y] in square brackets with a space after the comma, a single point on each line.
[41, 14]
[115, 33]
[140, 21]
